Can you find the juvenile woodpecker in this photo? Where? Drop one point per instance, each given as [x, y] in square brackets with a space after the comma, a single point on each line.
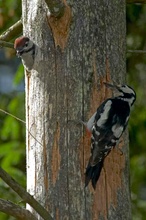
[25, 49]
[107, 125]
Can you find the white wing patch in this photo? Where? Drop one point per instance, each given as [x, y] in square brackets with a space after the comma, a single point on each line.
[113, 141]
[127, 119]
[104, 114]
[97, 133]
[117, 130]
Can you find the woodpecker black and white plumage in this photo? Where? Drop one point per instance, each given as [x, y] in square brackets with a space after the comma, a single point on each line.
[106, 126]
[25, 49]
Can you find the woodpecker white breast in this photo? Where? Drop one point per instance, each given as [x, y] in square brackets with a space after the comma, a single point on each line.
[25, 49]
[108, 124]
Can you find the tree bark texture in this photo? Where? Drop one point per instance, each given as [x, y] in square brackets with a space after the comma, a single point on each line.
[76, 54]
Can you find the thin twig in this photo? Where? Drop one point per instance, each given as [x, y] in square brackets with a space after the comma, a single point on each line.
[56, 7]
[25, 195]
[16, 211]
[136, 51]
[136, 1]
[13, 116]
[12, 32]
[18, 119]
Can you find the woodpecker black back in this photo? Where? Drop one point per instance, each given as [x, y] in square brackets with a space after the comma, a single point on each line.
[109, 124]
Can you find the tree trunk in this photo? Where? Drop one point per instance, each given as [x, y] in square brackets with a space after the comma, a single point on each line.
[76, 54]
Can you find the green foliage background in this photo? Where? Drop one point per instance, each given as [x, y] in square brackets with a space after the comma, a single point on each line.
[12, 131]
[136, 75]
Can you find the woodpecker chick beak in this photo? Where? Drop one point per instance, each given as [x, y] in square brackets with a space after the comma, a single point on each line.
[19, 52]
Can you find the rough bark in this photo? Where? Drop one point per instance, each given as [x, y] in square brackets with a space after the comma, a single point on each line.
[73, 60]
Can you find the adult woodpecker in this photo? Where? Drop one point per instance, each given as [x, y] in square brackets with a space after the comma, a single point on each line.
[107, 126]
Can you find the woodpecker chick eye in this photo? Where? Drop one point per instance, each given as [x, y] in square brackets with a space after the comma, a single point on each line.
[26, 44]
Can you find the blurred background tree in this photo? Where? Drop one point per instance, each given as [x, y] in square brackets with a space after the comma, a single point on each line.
[12, 131]
[136, 76]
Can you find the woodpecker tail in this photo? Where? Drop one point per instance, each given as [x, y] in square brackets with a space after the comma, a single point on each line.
[93, 174]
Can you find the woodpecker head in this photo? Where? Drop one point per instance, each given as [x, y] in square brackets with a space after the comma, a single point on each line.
[126, 92]
[25, 49]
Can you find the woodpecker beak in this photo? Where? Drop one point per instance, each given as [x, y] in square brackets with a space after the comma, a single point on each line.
[112, 86]
[19, 52]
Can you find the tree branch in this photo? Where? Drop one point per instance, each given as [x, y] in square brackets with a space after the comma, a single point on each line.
[12, 32]
[136, 1]
[25, 195]
[6, 44]
[56, 7]
[136, 51]
[15, 210]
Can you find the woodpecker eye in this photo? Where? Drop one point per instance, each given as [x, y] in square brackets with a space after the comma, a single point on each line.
[26, 44]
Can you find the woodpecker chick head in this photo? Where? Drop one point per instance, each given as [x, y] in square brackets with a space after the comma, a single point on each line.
[21, 45]
[126, 92]
[25, 49]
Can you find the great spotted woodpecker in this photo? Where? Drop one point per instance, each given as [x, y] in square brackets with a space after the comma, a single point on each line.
[25, 49]
[106, 126]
